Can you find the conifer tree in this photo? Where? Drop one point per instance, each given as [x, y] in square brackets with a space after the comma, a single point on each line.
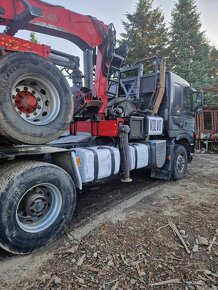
[214, 63]
[190, 51]
[33, 38]
[211, 99]
[145, 32]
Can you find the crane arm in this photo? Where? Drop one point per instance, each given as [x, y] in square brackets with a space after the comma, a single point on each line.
[34, 15]
[85, 31]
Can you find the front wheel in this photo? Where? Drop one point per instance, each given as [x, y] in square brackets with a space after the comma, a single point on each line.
[180, 162]
[37, 201]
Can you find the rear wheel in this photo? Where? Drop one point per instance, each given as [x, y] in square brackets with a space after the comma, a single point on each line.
[180, 162]
[37, 201]
[35, 99]
[36, 105]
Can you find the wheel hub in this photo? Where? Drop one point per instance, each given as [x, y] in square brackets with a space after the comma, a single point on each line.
[39, 208]
[36, 204]
[35, 100]
[26, 102]
[180, 163]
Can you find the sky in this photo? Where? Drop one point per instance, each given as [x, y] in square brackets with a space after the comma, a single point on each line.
[113, 11]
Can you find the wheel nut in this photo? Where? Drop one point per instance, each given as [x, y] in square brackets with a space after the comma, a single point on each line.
[33, 92]
[34, 113]
[38, 99]
[39, 107]
[17, 90]
[25, 89]
[27, 115]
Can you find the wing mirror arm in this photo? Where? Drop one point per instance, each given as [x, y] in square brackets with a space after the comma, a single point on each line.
[199, 102]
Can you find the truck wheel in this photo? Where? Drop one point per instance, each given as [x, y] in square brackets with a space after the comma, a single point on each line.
[37, 202]
[36, 105]
[180, 162]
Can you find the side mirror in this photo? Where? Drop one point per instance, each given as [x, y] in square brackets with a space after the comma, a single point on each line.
[198, 102]
[200, 97]
[198, 111]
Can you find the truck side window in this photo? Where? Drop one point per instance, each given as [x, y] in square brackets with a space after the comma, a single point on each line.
[188, 101]
[177, 100]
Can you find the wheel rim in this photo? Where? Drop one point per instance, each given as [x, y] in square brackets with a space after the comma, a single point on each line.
[35, 100]
[180, 163]
[39, 207]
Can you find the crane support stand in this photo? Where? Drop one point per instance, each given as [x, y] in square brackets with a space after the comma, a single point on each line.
[124, 147]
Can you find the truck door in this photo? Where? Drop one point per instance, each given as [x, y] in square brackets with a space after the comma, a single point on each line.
[182, 109]
[188, 111]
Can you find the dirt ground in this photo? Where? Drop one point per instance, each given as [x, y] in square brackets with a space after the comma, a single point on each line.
[146, 235]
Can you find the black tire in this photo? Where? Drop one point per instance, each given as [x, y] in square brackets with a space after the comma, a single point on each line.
[180, 162]
[52, 110]
[22, 228]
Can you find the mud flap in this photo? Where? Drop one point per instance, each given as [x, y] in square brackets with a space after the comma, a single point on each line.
[67, 161]
[165, 172]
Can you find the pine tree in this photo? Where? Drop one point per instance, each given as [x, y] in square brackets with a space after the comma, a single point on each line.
[145, 32]
[190, 51]
[33, 38]
[213, 63]
[211, 98]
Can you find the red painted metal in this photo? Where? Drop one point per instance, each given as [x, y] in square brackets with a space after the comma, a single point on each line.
[81, 127]
[102, 128]
[57, 21]
[101, 82]
[26, 102]
[12, 44]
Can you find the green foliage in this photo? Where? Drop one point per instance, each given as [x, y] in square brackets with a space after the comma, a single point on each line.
[185, 45]
[212, 99]
[33, 38]
[214, 63]
[190, 51]
[145, 32]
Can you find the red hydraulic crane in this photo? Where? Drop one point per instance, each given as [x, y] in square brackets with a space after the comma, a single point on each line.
[85, 31]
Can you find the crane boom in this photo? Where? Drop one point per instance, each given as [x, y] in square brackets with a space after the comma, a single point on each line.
[85, 31]
[34, 15]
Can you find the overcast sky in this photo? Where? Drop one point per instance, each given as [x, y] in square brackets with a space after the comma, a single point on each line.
[114, 10]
